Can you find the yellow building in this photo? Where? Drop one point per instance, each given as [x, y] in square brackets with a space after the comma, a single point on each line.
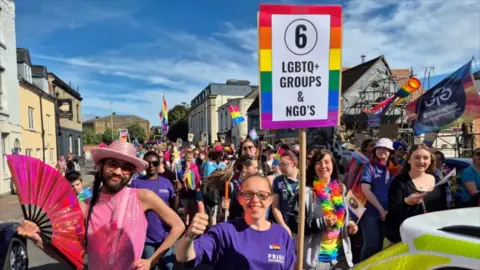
[37, 115]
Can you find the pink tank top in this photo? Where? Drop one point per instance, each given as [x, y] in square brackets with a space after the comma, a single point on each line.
[116, 232]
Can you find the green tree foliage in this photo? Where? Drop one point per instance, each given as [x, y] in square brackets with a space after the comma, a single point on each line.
[91, 138]
[178, 113]
[107, 135]
[136, 131]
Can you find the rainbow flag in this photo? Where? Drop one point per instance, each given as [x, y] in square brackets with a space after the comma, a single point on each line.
[274, 247]
[279, 154]
[190, 180]
[237, 118]
[164, 116]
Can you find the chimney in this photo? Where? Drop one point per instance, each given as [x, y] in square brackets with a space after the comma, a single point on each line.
[363, 58]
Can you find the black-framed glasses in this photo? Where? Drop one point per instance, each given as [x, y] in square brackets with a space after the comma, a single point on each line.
[262, 195]
[154, 163]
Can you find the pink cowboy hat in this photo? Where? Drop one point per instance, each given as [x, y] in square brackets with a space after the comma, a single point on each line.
[119, 150]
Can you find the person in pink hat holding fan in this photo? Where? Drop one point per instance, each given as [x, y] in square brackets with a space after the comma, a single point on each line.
[115, 216]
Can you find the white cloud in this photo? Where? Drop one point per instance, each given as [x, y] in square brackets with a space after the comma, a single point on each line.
[413, 34]
[417, 34]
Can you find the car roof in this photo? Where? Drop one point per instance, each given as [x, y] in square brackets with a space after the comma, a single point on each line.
[431, 223]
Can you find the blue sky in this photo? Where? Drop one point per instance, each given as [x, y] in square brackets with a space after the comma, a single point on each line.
[134, 51]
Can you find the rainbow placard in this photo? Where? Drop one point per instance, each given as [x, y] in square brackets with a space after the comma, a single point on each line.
[293, 94]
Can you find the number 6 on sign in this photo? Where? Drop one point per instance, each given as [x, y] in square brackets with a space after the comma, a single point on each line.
[300, 66]
[301, 37]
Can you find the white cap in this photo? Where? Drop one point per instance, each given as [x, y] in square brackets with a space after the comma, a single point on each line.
[385, 143]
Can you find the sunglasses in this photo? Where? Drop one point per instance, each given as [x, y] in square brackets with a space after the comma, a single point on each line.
[477, 154]
[155, 163]
[262, 195]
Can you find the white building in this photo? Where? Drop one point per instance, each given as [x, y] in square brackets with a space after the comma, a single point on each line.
[232, 133]
[9, 102]
[203, 116]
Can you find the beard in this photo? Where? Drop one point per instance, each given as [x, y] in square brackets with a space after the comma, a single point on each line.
[114, 186]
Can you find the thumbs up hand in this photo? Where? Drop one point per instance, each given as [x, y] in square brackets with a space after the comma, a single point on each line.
[199, 223]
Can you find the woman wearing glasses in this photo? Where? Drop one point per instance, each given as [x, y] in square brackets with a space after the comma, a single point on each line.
[157, 230]
[245, 166]
[249, 148]
[250, 242]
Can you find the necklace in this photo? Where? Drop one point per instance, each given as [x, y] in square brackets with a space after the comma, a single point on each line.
[331, 200]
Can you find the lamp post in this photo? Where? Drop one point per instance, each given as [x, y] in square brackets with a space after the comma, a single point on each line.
[111, 118]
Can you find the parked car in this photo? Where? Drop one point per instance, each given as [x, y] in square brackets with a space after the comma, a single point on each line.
[444, 240]
[13, 248]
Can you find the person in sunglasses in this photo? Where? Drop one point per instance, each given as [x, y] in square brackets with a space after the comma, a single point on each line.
[249, 242]
[115, 215]
[157, 230]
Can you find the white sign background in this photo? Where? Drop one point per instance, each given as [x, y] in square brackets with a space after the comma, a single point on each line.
[320, 54]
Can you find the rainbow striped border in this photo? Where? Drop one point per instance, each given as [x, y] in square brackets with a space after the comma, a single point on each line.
[265, 64]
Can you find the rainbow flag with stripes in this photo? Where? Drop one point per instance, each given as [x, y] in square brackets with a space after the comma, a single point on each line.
[279, 154]
[190, 180]
[164, 116]
[237, 118]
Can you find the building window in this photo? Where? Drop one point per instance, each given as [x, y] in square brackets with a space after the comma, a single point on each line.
[78, 113]
[16, 147]
[222, 127]
[38, 153]
[51, 156]
[79, 147]
[47, 124]
[70, 144]
[4, 151]
[28, 152]
[31, 121]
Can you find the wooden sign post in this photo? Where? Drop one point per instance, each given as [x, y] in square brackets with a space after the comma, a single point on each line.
[300, 73]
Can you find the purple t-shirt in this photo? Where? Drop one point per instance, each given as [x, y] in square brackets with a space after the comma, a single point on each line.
[235, 245]
[157, 230]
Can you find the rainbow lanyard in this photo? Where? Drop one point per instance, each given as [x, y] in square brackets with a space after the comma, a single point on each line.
[290, 190]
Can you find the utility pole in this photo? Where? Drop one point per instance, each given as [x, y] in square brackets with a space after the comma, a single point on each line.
[111, 118]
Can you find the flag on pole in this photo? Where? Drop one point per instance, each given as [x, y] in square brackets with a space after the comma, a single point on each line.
[237, 118]
[164, 116]
[453, 101]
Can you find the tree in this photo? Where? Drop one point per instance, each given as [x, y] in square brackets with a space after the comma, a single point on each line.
[178, 113]
[107, 135]
[178, 130]
[135, 131]
[90, 137]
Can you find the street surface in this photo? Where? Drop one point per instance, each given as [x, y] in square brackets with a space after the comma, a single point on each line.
[10, 211]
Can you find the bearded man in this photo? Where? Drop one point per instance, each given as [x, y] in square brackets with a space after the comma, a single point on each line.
[115, 216]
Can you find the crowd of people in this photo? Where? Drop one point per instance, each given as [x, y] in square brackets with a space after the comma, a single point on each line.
[240, 206]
